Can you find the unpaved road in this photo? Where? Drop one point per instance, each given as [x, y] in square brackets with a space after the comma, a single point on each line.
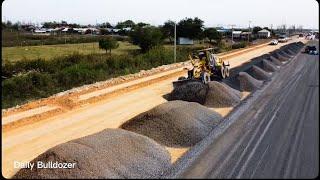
[276, 137]
[27, 142]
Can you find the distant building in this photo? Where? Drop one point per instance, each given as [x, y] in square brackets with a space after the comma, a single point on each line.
[245, 35]
[236, 34]
[185, 41]
[264, 33]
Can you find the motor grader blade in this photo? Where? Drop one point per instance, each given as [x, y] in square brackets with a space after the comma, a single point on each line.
[183, 81]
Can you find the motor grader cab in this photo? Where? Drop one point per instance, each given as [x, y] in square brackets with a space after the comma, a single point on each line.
[205, 67]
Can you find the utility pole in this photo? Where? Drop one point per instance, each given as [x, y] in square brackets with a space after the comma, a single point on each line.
[249, 31]
[232, 25]
[175, 41]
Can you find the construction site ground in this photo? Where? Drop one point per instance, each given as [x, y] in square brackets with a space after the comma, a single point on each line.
[33, 128]
[274, 135]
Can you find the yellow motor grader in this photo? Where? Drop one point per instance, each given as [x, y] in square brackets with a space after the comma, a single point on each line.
[206, 66]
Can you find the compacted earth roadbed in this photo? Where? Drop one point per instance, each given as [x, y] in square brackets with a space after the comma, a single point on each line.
[275, 133]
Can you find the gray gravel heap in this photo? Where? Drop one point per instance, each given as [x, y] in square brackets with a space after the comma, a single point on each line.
[276, 61]
[112, 153]
[222, 95]
[248, 83]
[281, 57]
[260, 74]
[190, 91]
[175, 123]
[269, 66]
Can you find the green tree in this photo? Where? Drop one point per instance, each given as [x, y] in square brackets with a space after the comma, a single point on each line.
[125, 24]
[212, 34]
[108, 44]
[105, 25]
[146, 37]
[256, 29]
[190, 28]
[168, 30]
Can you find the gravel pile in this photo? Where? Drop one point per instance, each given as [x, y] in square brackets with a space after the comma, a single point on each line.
[175, 123]
[291, 52]
[286, 54]
[248, 83]
[222, 95]
[269, 66]
[276, 61]
[193, 91]
[260, 74]
[280, 57]
[112, 153]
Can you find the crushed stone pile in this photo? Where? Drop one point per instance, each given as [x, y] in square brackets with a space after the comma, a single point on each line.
[175, 123]
[276, 61]
[260, 74]
[248, 83]
[291, 52]
[193, 91]
[222, 95]
[286, 54]
[280, 57]
[112, 153]
[269, 66]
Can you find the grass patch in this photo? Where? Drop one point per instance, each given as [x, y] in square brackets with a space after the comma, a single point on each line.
[33, 79]
[50, 51]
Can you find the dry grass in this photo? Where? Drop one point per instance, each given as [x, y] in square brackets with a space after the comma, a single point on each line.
[49, 51]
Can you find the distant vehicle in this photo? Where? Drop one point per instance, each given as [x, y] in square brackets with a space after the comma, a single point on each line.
[283, 39]
[274, 42]
[311, 50]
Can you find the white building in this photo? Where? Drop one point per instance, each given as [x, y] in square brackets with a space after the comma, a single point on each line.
[236, 34]
[185, 41]
[264, 33]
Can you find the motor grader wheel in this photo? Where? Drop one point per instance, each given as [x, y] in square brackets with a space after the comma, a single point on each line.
[226, 71]
[205, 77]
[222, 72]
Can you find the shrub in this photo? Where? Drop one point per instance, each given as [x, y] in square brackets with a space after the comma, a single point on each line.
[146, 37]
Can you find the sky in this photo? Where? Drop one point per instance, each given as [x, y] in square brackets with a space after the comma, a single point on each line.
[265, 13]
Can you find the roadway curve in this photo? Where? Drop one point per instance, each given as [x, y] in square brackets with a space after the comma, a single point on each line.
[276, 137]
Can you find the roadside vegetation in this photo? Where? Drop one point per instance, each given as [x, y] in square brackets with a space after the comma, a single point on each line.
[32, 79]
[33, 72]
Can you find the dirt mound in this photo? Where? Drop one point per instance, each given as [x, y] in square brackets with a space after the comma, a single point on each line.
[112, 153]
[276, 61]
[269, 66]
[260, 74]
[222, 95]
[193, 91]
[248, 83]
[175, 123]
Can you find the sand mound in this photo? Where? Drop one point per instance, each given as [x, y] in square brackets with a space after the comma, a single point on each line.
[112, 153]
[248, 83]
[269, 66]
[260, 74]
[175, 123]
[276, 61]
[222, 95]
[193, 91]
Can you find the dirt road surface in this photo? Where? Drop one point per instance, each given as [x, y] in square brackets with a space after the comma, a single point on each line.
[276, 137]
[27, 142]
